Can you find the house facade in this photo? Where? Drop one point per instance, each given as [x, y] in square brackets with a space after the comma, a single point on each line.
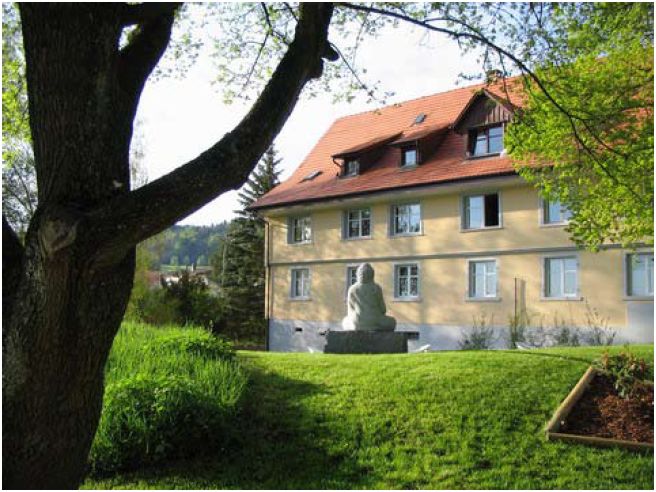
[424, 192]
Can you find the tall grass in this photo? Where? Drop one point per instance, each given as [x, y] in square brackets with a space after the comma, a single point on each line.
[170, 392]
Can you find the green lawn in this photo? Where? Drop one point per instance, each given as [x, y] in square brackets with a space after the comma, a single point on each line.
[430, 421]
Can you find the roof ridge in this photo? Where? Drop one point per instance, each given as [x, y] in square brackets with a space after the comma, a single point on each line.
[471, 86]
[346, 116]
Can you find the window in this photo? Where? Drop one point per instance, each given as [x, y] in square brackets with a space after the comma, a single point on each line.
[554, 213]
[409, 156]
[351, 168]
[351, 277]
[357, 223]
[481, 211]
[300, 230]
[406, 281]
[406, 219]
[311, 176]
[640, 274]
[300, 283]
[485, 141]
[560, 277]
[482, 279]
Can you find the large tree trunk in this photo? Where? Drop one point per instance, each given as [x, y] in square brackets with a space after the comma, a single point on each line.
[65, 290]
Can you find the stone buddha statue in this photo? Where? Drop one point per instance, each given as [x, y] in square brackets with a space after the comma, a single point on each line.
[366, 307]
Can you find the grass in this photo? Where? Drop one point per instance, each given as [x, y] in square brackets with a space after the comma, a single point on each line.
[441, 420]
[164, 387]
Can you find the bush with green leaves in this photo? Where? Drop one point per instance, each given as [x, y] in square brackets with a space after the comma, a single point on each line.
[627, 371]
[198, 344]
[170, 393]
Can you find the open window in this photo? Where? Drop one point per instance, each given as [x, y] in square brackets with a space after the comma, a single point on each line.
[485, 141]
[481, 211]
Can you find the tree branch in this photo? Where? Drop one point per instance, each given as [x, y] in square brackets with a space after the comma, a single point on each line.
[138, 59]
[145, 12]
[476, 36]
[128, 219]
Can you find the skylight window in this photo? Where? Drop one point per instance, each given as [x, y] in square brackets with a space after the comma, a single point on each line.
[311, 176]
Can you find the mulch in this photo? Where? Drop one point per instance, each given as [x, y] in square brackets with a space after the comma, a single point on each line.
[601, 412]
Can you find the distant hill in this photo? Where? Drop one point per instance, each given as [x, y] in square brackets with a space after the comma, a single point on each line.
[187, 244]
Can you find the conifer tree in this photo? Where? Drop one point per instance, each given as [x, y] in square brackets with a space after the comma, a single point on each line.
[263, 179]
[241, 259]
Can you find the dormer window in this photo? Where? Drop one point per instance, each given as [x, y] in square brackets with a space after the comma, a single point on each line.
[486, 141]
[409, 156]
[351, 167]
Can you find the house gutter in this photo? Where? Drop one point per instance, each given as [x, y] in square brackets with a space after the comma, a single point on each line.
[267, 283]
[346, 196]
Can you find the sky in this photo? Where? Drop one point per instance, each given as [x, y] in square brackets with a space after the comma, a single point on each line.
[180, 118]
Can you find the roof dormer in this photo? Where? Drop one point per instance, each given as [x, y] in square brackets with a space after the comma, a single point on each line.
[357, 159]
[483, 121]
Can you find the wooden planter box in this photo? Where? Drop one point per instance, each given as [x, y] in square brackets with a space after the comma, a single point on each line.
[563, 411]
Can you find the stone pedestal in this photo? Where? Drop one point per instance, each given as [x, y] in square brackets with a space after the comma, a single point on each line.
[366, 342]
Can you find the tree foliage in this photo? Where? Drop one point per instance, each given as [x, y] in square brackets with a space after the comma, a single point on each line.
[239, 263]
[597, 157]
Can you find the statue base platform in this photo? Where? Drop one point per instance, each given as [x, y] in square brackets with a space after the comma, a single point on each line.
[366, 342]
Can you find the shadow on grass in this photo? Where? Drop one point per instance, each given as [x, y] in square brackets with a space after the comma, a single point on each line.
[274, 444]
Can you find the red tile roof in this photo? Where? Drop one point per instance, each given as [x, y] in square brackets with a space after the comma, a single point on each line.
[446, 164]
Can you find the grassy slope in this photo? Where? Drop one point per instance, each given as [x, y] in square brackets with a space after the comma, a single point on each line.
[439, 420]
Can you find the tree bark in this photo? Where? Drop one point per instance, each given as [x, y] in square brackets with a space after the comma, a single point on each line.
[70, 283]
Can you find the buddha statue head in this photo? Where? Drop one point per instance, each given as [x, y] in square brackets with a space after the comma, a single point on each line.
[365, 273]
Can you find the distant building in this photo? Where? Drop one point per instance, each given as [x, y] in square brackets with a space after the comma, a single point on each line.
[424, 191]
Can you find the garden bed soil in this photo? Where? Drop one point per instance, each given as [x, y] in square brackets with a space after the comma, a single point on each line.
[601, 412]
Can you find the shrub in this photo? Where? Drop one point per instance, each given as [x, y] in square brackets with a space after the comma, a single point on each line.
[196, 343]
[156, 308]
[626, 370]
[517, 324]
[480, 336]
[170, 393]
[564, 334]
[598, 331]
[188, 301]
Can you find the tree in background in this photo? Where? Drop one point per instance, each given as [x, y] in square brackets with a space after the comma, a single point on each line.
[264, 178]
[596, 156]
[19, 190]
[239, 264]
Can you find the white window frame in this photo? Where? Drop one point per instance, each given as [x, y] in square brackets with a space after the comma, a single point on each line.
[354, 172]
[347, 283]
[543, 288]
[543, 204]
[392, 220]
[405, 149]
[291, 227]
[408, 298]
[463, 211]
[292, 293]
[627, 271]
[345, 224]
[486, 298]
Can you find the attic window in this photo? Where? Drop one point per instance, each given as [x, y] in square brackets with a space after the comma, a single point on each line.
[419, 119]
[351, 167]
[409, 156]
[485, 141]
[311, 176]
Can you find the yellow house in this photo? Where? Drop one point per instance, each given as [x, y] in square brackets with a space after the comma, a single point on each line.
[424, 192]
